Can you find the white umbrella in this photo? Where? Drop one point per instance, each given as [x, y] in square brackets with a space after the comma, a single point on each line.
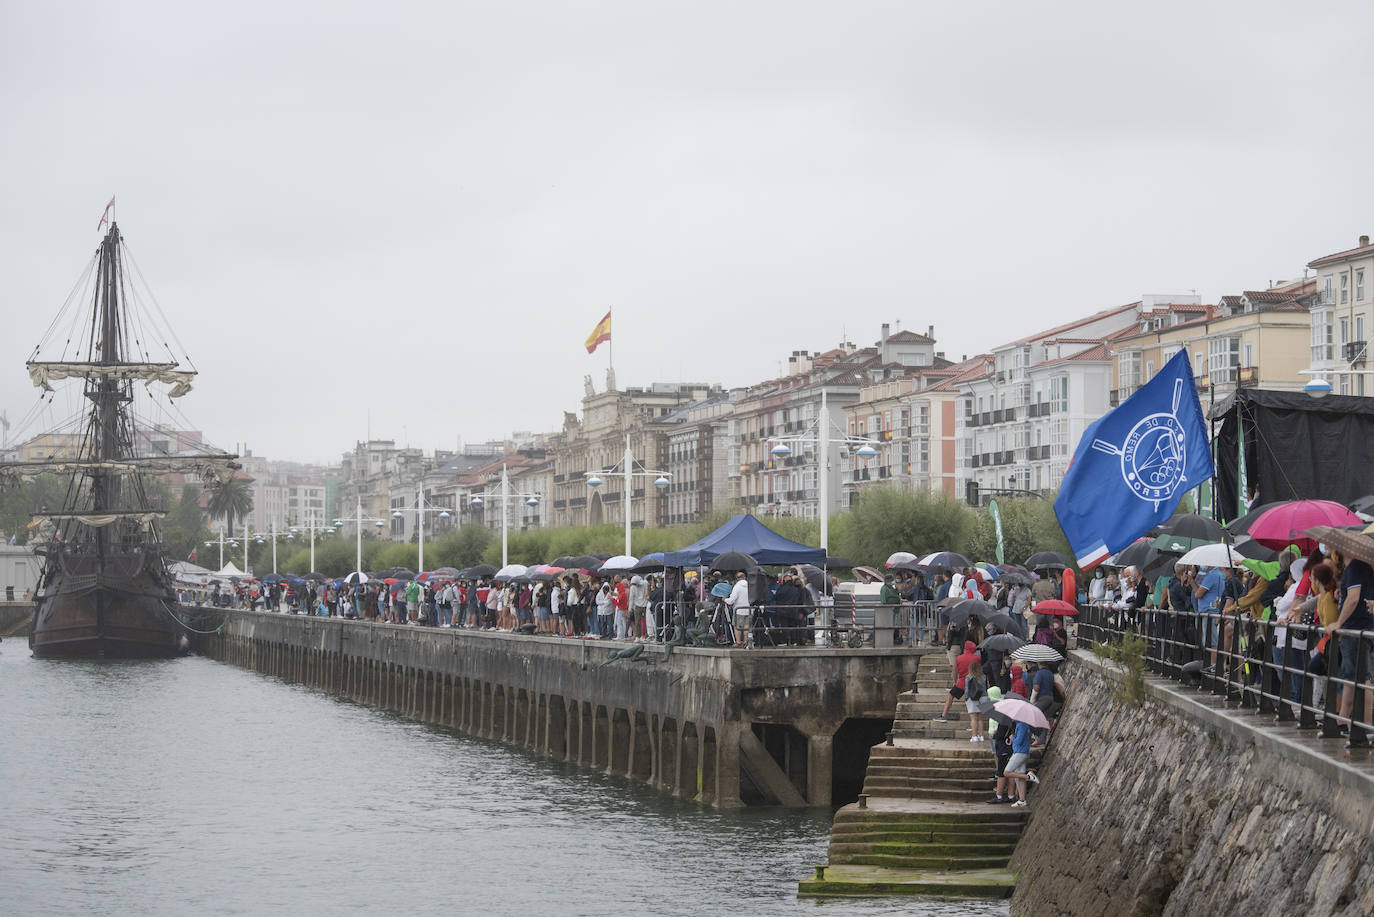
[511, 571]
[1036, 652]
[356, 577]
[619, 562]
[901, 557]
[1213, 555]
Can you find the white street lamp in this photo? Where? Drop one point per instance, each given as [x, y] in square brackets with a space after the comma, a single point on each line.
[820, 435]
[505, 495]
[626, 470]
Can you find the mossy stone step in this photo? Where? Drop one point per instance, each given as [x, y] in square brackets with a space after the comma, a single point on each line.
[853, 881]
[938, 861]
[881, 842]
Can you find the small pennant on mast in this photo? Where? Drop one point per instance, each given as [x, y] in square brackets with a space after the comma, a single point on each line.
[105, 217]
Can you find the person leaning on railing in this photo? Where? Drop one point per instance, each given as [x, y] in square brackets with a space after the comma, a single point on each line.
[1356, 585]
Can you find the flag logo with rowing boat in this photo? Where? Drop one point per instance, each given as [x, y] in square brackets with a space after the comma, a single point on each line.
[1134, 464]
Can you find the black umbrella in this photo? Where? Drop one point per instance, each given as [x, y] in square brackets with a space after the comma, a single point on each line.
[1140, 553]
[480, 570]
[566, 562]
[585, 562]
[542, 577]
[316, 577]
[1198, 528]
[1015, 579]
[1048, 560]
[948, 559]
[602, 556]
[1248, 547]
[1002, 621]
[961, 611]
[1004, 642]
[734, 561]
[1242, 525]
[840, 563]
[273, 578]
[1363, 506]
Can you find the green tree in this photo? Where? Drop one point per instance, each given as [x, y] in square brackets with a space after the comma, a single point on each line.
[890, 519]
[183, 529]
[1028, 525]
[20, 501]
[230, 498]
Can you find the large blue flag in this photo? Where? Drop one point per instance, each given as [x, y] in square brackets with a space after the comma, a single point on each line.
[1134, 464]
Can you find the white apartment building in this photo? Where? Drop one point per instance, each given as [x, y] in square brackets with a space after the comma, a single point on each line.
[1342, 317]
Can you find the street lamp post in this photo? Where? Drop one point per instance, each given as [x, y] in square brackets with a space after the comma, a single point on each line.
[504, 494]
[358, 533]
[820, 434]
[420, 510]
[626, 469]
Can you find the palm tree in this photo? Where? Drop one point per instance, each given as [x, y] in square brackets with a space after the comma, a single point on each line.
[230, 498]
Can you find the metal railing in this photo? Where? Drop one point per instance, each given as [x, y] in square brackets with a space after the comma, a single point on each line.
[1238, 659]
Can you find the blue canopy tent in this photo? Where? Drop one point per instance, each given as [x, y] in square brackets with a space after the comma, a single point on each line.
[747, 535]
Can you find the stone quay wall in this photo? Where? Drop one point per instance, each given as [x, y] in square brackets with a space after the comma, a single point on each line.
[727, 727]
[15, 618]
[1175, 807]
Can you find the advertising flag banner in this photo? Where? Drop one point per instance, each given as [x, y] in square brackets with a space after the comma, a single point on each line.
[1134, 464]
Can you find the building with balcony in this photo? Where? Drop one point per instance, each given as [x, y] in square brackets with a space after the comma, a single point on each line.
[1342, 315]
[698, 438]
[1255, 338]
[595, 442]
[788, 410]
[1023, 416]
[912, 422]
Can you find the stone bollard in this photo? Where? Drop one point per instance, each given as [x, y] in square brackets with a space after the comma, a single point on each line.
[820, 873]
[863, 800]
[889, 738]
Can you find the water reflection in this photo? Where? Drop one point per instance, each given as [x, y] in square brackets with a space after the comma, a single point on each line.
[189, 785]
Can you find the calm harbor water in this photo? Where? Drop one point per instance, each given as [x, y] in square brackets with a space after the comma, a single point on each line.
[190, 786]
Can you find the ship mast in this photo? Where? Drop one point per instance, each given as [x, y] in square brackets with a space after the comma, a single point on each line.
[107, 392]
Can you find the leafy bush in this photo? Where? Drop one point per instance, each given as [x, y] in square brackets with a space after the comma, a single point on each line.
[1128, 680]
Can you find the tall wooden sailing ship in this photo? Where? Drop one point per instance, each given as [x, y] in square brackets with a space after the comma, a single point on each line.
[105, 590]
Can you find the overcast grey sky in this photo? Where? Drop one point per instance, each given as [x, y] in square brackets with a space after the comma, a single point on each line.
[417, 211]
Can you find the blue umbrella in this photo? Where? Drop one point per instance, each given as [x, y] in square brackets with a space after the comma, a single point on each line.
[721, 590]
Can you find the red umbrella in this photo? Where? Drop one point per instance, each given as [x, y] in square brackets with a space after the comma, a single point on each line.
[1055, 607]
[1286, 523]
[391, 581]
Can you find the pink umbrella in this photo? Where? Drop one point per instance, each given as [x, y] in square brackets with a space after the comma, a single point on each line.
[1285, 524]
[1023, 712]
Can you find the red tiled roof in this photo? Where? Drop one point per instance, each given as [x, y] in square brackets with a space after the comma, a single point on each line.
[972, 368]
[1342, 256]
[1096, 352]
[902, 337]
[1077, 323]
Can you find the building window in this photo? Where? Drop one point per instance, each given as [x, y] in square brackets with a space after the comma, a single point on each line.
[1059, 394]
[1359, 285]
[1345, 288]
[1223, 356]
[1323, 345]
[1128, 371]
[1328, 298]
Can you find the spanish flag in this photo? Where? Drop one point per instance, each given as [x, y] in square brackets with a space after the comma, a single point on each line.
[600, 334]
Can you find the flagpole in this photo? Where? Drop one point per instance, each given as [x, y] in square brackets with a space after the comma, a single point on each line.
[610, 346]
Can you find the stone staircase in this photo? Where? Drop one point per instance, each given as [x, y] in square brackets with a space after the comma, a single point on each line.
[926, 840]
[923, 825]
[918, 708]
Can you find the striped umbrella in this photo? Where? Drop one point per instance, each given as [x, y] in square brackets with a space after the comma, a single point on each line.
[1036, 652]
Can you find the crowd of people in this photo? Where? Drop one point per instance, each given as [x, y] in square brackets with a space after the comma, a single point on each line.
[1301, 614]
[728, 607]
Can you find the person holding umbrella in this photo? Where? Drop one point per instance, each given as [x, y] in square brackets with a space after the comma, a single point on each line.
[1001, 746]
[1015, 768]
